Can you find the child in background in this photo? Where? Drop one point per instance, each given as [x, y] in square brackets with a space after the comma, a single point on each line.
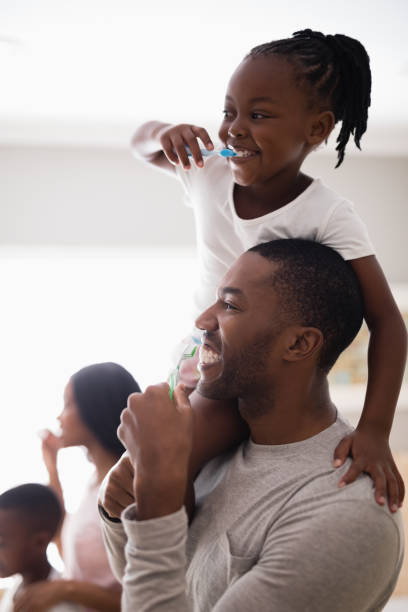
[29, 519]
[282, 103]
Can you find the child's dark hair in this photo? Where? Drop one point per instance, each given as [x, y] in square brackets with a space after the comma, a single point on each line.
[337, 70]
[37, 505]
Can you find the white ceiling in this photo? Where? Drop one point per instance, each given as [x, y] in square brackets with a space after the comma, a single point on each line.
[87, 71]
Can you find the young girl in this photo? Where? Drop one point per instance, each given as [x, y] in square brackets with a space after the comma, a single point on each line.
[282, 102]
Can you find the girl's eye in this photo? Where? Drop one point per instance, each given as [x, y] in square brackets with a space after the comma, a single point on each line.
[227, 114]
[258, 116]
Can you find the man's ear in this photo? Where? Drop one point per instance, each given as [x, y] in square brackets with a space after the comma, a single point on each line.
[320, 128]
[302, 343]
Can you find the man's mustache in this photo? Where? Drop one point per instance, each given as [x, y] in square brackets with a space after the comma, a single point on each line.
[212, 339]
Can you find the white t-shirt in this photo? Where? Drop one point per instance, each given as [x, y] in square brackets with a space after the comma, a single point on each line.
[317, 214]
[7, 603]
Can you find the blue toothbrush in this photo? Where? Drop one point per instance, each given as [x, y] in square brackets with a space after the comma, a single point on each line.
[207, 153]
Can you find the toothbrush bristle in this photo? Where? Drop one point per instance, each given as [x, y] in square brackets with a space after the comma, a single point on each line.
[227, 153]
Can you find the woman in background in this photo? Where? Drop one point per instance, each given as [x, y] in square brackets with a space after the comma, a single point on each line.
[93, 401]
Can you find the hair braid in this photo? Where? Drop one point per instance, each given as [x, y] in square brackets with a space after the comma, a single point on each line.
[337, 69]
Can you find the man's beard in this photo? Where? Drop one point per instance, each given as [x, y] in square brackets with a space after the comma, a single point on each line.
[242, 374]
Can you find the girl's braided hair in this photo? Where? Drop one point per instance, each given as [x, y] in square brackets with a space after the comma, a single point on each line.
[336, 69]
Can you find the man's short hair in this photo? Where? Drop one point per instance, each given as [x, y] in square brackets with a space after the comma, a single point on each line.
[318, 289]
[36, 505]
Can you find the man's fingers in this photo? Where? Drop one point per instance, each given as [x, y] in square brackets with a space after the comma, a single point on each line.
[181, 395]
[354, 470]
[342, 451]
[115, 503]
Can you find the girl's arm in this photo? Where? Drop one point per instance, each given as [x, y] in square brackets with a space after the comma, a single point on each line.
[387, 351]
[50, 446]
[163, 144]
[42, 596]
[217, 427]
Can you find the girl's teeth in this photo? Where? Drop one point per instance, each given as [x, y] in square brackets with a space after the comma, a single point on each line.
[243, 153]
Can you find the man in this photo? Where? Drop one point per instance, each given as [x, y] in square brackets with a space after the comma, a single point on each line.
[272, 530]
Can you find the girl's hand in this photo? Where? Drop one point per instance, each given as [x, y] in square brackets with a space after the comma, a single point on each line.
[371, 454]
[176, 138]
[50, 446]
[40, 596]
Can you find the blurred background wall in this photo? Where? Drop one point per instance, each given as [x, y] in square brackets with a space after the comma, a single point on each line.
[55, 195]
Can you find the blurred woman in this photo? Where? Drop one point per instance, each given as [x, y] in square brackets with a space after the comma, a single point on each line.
[93, 401]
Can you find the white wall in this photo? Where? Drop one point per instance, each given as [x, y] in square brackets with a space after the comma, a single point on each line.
[102, 196]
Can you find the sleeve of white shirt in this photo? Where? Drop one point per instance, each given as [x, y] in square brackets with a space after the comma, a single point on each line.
[345, 232]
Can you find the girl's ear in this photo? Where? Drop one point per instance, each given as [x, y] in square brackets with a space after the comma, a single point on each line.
[320, 128]
[303, 342]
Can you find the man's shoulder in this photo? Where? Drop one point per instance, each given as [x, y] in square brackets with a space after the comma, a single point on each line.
[348, 511]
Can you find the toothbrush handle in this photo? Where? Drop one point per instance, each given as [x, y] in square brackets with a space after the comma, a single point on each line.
[204, 152]
[207, 153]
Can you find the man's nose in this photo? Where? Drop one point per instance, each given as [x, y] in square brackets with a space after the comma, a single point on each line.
[207, 321]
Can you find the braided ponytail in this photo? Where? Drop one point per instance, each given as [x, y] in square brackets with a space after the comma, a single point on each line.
[337, 70]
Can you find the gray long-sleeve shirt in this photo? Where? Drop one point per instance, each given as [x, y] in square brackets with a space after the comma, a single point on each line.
[272, 532]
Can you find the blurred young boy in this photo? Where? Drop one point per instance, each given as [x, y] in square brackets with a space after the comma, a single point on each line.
[30, 515]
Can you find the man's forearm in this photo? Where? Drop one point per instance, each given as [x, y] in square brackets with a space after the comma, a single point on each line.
[155, 579]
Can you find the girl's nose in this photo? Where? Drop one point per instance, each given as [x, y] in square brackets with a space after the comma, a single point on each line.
[236, 132]
[236, 129]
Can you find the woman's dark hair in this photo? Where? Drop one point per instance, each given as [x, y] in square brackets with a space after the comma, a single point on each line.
[337, 70]
[101, 392]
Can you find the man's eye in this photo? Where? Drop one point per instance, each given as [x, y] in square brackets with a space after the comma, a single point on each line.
[258, 116]
[227, 114]
[228, 306]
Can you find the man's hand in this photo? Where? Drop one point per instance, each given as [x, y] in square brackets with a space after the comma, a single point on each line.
[157, 433]
[117, 490]
[371, 454]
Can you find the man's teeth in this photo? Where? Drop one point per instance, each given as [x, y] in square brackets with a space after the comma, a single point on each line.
[208, 356]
